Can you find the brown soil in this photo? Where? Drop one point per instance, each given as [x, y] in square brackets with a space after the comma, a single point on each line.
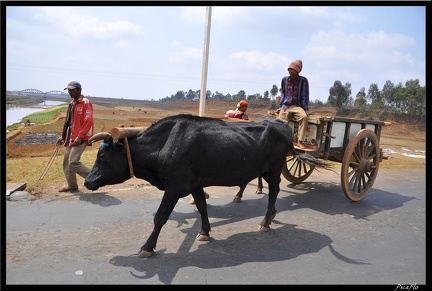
[400, 140]
[37, 140]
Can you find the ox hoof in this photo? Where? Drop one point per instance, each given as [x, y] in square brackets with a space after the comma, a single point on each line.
[202, 237]
[144, 254]
[192, 201]
[263, 228]
[237, 199]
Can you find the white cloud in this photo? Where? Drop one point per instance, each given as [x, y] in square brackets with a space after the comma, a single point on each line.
[81, 25]
[152, 52]
[256, 60]
[182, 54]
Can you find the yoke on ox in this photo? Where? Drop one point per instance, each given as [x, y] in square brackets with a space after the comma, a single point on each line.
[183, 154]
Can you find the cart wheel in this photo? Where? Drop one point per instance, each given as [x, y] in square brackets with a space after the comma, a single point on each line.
[360, 165]
[296, 171]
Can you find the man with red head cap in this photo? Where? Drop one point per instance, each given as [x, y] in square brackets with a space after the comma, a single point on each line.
[239, 112]
[294, 103]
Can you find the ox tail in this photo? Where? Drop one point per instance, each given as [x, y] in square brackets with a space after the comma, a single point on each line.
[311, 160]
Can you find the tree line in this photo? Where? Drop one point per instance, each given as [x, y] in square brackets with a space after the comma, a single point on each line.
[392, 100]
[407, 101]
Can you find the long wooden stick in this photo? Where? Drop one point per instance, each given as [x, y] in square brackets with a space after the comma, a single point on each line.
[49, 162]
[122, 132]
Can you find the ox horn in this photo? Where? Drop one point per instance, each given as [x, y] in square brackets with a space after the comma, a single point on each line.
[98, 136]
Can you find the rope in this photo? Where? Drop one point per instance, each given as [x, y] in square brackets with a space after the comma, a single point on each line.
[129, 157]
[49, 162]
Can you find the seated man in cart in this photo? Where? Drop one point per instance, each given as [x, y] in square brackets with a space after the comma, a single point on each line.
[239, 112]
[294, 102]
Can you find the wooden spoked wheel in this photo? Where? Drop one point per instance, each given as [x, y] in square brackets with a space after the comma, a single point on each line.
[295, 170]
[360, 165]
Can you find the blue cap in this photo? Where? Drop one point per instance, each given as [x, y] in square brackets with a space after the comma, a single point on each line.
[73, 85]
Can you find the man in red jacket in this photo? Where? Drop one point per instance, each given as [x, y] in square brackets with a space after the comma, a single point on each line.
[77, 129]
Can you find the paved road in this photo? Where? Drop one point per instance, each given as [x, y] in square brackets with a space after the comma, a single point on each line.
[317, 237]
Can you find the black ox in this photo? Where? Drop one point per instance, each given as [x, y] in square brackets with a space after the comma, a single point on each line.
[182, 154]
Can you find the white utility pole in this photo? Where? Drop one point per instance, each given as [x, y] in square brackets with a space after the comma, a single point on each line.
[203, 92]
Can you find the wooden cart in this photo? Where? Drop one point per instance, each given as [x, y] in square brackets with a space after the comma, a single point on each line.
[352, 142]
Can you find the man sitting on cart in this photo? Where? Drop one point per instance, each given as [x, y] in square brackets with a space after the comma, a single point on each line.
[294, 103]
[239, 112]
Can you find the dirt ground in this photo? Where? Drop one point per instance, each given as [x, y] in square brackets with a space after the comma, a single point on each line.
[405, 145]
[38, 139]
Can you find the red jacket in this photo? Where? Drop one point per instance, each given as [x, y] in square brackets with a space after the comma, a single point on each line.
[82, 124]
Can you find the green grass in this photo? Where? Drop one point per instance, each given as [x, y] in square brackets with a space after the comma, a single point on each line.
[39, 117]
[46, 116]
[30, 169]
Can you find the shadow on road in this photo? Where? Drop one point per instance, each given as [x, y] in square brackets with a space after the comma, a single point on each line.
[282, 242]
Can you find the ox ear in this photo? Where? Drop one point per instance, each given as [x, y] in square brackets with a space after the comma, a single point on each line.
[119, 144]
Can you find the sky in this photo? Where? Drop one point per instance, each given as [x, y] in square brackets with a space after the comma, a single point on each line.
[152, 52]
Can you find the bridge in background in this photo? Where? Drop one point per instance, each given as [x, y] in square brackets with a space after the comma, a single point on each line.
[36, 92]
